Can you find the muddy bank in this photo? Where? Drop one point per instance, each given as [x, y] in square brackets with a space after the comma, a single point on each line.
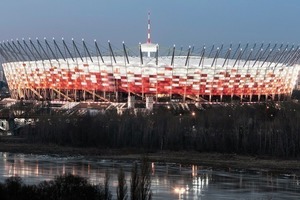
[214, 160]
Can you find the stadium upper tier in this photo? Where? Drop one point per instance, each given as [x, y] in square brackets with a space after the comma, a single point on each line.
[38, 70]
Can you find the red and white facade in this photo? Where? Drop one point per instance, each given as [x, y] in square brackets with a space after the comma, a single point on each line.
[68, 79]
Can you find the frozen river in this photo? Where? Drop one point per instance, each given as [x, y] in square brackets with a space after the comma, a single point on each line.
[169, 180]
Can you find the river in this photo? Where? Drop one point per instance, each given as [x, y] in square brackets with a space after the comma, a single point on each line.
[169, 180]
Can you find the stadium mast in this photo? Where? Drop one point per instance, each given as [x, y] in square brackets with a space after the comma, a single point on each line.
[149, 47]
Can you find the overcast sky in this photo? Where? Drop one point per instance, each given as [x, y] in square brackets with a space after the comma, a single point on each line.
[185, 22]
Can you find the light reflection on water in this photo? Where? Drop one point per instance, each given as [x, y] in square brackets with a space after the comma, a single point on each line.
[169, 180]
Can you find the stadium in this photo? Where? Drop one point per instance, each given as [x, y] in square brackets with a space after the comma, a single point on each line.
[80, 71]
[250, 73]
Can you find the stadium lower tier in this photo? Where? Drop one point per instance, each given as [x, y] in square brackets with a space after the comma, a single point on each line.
[53, 80]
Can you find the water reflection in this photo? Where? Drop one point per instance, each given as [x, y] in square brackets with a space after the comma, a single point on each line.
[169, 180]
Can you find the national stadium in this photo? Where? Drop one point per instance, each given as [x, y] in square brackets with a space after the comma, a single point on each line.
[78, 71]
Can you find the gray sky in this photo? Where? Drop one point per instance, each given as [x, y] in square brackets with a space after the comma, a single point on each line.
[185, 22]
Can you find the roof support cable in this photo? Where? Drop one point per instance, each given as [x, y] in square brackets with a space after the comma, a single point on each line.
[156, 55]
[35, 49]
[288, 55]
[111, 52]
[15, 53]
[272, 50]
[215, 58]
[5, 54]
[285, 49]
[266, 49]
[98, 51]
[68, 50]
[277, 53]
[212, 48]
[245, 49]
[258, 57]
[258, 52]
[265, 60]
[253, 49]
[48, 46]
[249, 56]
[85, 47]
[43, 50]
[19, 51]
[188, 56]
[226, 56]
[173, 54]
[274, 57]
[238, 57]
[75, 46]
[57, 47]
[236, 51]
[221, 48]
[296, 57]
[30, 50]
[293, 56]
[141, 54]
[125, 53]
[11, 53]
[282, 54]
[202, 56]
[24, 50]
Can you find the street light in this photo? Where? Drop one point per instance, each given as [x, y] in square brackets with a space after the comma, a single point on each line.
[179, 191]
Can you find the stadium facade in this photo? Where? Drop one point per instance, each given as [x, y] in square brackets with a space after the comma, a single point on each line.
[72, 71]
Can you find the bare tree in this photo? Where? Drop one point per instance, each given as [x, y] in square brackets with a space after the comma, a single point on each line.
[145, 180]
[141, 181]
[122, 186]
[134, 186]
[107, 194]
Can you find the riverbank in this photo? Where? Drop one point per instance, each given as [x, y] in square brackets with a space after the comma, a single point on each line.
[213, 160]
